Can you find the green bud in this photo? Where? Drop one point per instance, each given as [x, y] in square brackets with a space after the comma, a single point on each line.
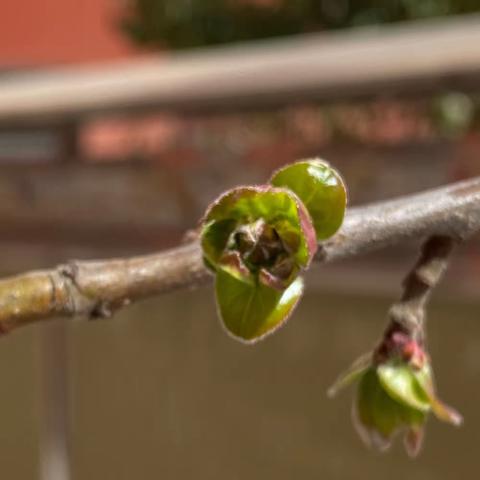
[378, 416]
[394, 397]
[264, 225]
[258, 240]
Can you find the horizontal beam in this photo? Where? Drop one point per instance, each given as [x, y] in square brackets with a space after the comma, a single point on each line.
[411, 58]
[98, 288]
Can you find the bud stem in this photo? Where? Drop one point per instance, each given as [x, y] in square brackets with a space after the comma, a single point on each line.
[408, 314]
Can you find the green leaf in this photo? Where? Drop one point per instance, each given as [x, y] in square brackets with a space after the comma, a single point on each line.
[249, 312]
[320, 188]
[445, 413]
[351, 375]
[214, 238]
[442, 411]
[278, 207]
[363, 412]
[400, 382]
[411, 416]
[377, 414]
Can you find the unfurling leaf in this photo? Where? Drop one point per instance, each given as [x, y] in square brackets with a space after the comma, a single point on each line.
[236, 214]
[379, 416]
[259, 239]
[249, 312]
[351, 375]
[392, 397]
[321, 190]
[442, 411]
[399, 381]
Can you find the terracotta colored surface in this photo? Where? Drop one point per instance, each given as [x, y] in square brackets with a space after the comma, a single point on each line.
[44, 32]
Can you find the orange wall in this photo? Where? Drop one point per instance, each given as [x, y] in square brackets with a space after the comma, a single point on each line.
[45, 32]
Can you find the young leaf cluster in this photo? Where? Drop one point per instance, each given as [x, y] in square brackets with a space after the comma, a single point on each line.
[395, 394]
[257, 240]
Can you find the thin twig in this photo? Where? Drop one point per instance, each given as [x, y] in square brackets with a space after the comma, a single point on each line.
[98, 288]
[409, 312]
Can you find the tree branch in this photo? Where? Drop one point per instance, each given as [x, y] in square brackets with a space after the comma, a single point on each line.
[98, 288]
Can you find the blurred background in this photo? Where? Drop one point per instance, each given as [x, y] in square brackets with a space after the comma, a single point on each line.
[119, 121]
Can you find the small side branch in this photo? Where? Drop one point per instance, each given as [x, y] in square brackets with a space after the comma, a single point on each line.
[409, 312]
[405, 332]
[97, 288]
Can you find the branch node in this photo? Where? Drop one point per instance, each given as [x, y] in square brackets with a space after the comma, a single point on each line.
[101, 310]
[78, 302]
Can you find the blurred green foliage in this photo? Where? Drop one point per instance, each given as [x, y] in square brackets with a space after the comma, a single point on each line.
[181, 24]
